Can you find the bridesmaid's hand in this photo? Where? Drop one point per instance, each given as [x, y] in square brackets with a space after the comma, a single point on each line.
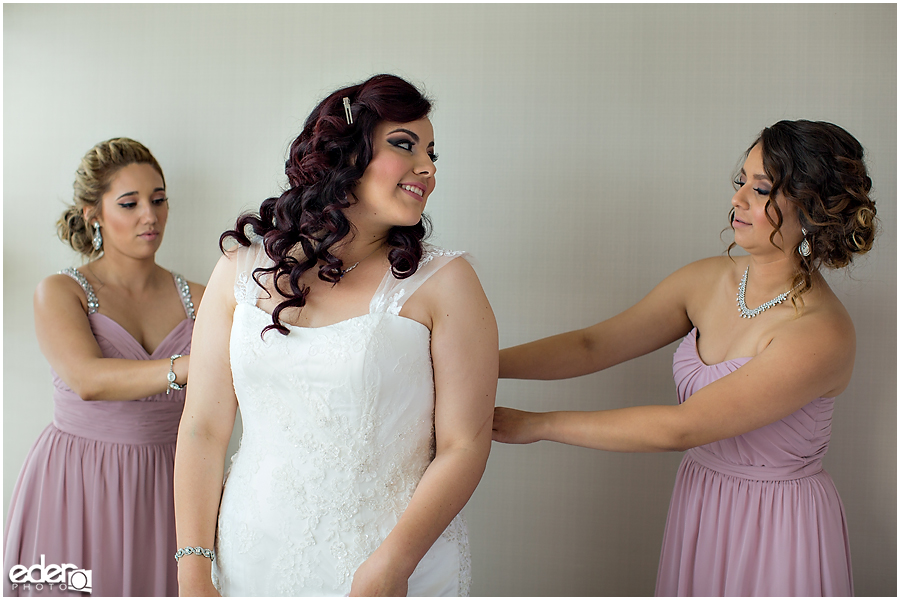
[181, 367]
[513, 426]
[377, 577]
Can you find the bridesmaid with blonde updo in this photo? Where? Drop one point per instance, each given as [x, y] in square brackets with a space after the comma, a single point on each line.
[93, 505]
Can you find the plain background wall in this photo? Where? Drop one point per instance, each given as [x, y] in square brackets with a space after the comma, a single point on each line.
[586, 153]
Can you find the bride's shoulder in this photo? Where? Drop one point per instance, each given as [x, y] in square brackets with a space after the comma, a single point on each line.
[232, 249]
[448, 271]
[448, 289]
[431, 253]
[440, 261]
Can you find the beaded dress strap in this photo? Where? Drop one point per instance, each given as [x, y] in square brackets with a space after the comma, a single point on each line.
[184, 290]
[93, 304]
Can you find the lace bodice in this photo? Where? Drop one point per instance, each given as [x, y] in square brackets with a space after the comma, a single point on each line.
[338, 430]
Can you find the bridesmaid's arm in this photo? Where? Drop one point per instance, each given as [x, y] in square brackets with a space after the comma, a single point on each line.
[808, 359]
[66, 340]
[204, 432]
[464, 352]
[659, 319]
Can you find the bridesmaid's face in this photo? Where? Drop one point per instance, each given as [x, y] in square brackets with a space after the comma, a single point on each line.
[133, 212]
[751, 225]
[400, 177]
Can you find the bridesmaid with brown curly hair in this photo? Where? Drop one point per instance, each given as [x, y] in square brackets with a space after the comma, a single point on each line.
[767, 348]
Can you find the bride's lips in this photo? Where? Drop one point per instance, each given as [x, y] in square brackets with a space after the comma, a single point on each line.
[418, 186]
[149, 235]
[738, 223]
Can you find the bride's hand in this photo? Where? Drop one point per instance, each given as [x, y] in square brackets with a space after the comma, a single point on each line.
[513, 426]
[194, 579]
[378, 577]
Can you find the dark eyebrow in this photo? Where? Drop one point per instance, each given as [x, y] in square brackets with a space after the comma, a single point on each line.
[757, 177]
[406, 131]
[410, 134]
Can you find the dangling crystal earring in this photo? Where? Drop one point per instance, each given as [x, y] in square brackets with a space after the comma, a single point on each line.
[804, 249]
[97, 240]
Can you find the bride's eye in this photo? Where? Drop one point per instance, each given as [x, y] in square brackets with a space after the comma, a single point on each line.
[405, 144]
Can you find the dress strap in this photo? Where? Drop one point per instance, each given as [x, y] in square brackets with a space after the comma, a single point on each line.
[184, 291]
[249, 258]
[92, 302]
[393, 293]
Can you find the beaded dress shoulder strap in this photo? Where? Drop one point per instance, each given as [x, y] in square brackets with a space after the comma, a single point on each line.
[184, 290]
[93, 304]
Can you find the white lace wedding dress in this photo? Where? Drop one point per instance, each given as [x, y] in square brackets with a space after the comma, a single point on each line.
[338, 430]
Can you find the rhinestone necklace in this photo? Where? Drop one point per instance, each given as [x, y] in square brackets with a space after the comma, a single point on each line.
[748, 313]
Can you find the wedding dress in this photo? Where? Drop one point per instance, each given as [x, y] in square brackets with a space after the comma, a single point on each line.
[338, 430]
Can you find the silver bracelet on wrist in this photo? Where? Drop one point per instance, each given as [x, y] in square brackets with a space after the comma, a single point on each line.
[171, 376]
[210, 554]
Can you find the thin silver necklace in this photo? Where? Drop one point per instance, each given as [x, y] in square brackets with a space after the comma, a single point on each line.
[748, 313]
[356, 264]
[345, 271]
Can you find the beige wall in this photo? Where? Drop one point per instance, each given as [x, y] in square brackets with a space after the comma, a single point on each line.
[586, 152]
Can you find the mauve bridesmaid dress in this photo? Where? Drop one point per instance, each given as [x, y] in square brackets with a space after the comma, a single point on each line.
[754, 515]
[96, 488]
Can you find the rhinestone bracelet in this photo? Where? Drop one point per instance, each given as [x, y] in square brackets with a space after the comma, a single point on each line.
[171, 376]
[210, 554]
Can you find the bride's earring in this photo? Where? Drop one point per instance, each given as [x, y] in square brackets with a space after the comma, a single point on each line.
[804, 249]
[97, 240]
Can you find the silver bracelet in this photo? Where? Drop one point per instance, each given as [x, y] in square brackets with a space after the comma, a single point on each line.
[171, 375]
[210, 554]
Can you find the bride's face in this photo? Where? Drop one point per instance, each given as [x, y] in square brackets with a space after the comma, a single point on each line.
[399, 179]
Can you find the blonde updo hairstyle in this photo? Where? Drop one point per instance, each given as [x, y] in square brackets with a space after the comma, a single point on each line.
[819, 168]
[92, 180]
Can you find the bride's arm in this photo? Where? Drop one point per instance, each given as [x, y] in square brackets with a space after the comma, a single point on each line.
[206, 426]
[464, 349]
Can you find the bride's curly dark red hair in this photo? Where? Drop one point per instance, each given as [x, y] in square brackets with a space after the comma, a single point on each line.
[324, 163]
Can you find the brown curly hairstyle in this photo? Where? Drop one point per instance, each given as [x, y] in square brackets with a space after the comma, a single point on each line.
[92, 180]
[324, 163]
[818, 167]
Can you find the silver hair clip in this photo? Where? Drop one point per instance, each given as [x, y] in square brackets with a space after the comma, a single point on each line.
[347, 112]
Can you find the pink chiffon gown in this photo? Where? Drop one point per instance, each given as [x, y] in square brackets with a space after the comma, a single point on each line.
[754, 515]
[95, 491]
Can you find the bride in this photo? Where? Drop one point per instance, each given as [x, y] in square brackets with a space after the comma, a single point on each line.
[365, 366]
